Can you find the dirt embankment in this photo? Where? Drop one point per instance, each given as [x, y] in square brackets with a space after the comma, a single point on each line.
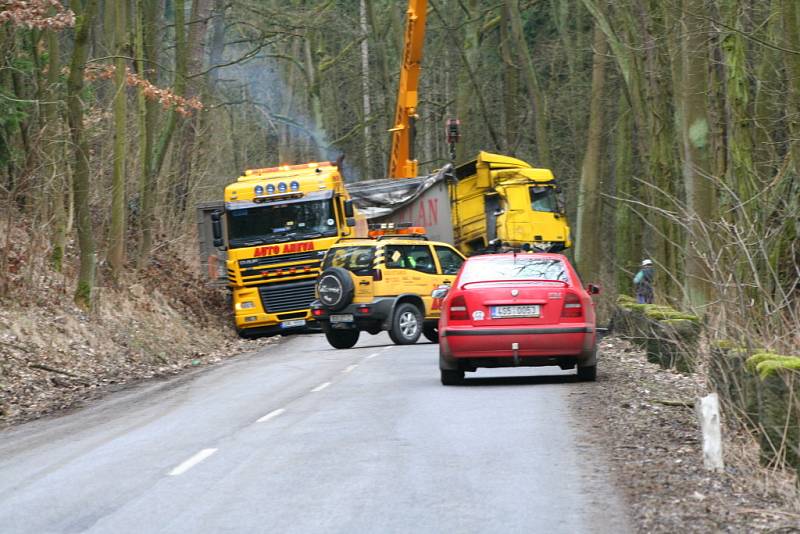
[54, 356]
[643, 417]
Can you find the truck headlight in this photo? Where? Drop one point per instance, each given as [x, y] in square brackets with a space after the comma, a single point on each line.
[246, 305]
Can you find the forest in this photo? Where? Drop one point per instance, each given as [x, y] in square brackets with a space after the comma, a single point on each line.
[672, 126]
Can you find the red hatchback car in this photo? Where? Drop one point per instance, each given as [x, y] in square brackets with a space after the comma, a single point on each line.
[508, 310]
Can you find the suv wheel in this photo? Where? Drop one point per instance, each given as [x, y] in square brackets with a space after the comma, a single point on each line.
[342, 339]
[431, 333]
[406, 324]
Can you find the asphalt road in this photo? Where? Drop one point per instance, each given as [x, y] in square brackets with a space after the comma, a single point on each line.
[306, 438]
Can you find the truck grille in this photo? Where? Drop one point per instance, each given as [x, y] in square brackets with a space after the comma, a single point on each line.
[287, 297]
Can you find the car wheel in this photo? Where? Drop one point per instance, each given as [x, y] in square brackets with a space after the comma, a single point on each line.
[431, 333]
[588, 373]
[335, 288]
[342, 339]
[406, 324]
[451, 378]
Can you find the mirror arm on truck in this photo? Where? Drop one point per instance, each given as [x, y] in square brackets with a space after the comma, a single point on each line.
[216, 227]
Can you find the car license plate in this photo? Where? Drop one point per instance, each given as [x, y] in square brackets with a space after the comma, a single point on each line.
[501, 312]
[294, 323]
[342, 318]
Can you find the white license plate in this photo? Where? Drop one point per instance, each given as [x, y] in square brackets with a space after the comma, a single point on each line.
[342, 318]
[500, 312]
[292, 324]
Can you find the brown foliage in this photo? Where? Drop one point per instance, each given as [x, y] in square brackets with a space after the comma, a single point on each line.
[38, 14]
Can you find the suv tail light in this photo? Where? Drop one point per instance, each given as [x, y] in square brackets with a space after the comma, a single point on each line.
[376, 275]
[572, 305]
[458, 309]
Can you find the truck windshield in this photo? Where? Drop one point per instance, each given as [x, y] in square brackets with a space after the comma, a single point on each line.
[278, 223]
[544, 199]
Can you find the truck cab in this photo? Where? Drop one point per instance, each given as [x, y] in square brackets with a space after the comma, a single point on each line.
[275, 226]
[500, 201]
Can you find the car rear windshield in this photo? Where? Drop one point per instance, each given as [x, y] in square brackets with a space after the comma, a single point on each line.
[520, 267]
[357, 260]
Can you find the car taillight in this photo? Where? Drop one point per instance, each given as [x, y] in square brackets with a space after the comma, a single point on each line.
[316, 312]
[572, 306]
[458, 309]
[376, 275]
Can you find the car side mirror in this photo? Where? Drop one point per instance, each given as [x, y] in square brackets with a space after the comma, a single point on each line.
[440, 292]
[348, 209]
[593, 289]
[351, 221]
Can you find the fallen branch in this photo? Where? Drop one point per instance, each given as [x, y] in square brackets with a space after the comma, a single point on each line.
[13, 346]
[675, 402]
[59, 371]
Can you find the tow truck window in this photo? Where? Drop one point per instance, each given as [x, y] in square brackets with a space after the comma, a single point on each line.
[544, 199]
[449, 260]
[279, 223]
[357, 260]
[416, 257]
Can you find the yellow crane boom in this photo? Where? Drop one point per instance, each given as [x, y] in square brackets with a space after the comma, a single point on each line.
[402, 163]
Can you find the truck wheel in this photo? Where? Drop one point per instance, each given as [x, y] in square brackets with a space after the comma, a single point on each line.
[342, 339]
[451, 378]
[431, 333]
[335, 288]
[406, 324]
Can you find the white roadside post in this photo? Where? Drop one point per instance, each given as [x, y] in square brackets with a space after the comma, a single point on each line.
[708, 412]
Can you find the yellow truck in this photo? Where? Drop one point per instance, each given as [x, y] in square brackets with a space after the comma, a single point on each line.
[489, 204]
[268, 238]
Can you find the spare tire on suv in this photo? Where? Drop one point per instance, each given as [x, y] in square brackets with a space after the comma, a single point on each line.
[336, 288]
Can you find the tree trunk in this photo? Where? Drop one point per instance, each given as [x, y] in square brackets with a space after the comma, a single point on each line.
[534, 87]
[81, 178]
[54, 153]
[588, 242]
[147, 61]
[116, 238]
[365, 96]
[697, 164]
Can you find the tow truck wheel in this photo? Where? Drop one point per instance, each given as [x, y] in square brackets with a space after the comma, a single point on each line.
[342, 339]
[406, 324]
[431, 333]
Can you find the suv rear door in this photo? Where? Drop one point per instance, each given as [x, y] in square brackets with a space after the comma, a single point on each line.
[358, 259]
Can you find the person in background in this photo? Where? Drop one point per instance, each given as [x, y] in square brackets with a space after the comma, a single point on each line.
[643, 283]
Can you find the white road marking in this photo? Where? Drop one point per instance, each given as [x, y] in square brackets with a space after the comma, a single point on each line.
[320, 387]
[271, 415]
[191, 462]
[350, 368]
[371, 356]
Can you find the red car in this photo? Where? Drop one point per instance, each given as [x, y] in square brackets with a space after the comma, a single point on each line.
[509, 310]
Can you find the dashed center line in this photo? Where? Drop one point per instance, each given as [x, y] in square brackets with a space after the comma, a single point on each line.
[371, 356]
[271, 415]
[349, 368]
[191, 462]
[320, 387]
